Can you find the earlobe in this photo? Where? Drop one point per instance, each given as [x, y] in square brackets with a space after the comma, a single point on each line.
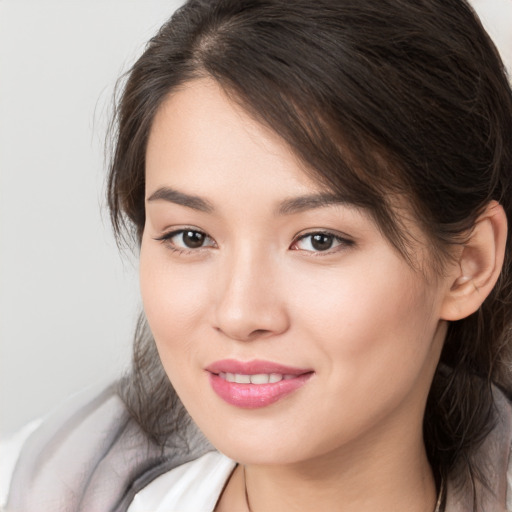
[479, 264]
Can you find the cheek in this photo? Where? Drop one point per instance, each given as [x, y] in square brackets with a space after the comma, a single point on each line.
[174, 298]
[368, 322]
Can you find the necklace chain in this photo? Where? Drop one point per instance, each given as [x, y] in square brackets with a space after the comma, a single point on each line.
[439, 498]
[246, 493]
[437, 509]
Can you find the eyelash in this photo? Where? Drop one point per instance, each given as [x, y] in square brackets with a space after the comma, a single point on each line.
[166, 239]
[341, 241]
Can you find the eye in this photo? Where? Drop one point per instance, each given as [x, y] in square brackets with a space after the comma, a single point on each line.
[186, 239]
[320, 242]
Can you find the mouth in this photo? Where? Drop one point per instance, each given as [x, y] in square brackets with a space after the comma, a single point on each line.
[258, 378]
[255, 384]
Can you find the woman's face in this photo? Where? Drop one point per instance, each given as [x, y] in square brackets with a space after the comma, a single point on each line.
[251, 273]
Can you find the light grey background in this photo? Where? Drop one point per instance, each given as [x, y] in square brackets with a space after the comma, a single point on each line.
[68, 303]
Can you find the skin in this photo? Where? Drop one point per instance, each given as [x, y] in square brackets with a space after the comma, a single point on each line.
[369, 326]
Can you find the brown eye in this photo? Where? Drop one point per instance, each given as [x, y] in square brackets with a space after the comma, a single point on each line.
[193, 239]
[186, 239]
[320, 242]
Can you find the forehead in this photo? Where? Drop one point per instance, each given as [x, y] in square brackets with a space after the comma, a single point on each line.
[202, 139]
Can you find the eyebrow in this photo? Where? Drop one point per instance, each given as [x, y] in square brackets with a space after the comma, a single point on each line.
[309, 202]
[286, 207]
[173, 196]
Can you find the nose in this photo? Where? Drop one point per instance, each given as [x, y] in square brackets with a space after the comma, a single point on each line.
[251, 299]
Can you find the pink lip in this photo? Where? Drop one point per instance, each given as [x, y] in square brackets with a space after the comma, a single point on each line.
[252, 396]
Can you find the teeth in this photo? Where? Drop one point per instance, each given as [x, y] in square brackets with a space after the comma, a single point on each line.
[258, 378]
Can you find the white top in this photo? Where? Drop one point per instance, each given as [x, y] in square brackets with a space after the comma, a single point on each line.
[192, 487]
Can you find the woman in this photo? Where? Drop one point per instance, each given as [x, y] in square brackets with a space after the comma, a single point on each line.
[320, 194]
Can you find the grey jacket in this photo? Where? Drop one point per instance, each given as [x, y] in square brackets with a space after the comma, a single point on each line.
[91, 456]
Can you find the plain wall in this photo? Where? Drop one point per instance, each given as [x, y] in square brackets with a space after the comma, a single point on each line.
[68, 302]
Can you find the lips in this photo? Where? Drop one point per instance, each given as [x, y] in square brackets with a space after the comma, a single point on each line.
[255, 384]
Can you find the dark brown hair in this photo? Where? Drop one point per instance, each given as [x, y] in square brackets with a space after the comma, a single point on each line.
[381, 99]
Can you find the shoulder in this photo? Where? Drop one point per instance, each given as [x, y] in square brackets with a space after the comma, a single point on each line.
[509, 484]
[91, 455]
[494, 458]
[10, 448]
[501, 449]
[194, 486]
[509, 468]
[500, 459]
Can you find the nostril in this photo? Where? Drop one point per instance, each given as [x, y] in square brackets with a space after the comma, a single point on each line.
[245, 336]
[258, 332]
[248, 320]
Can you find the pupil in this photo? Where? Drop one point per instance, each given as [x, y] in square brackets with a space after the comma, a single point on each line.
[193, 239]
[321, 242]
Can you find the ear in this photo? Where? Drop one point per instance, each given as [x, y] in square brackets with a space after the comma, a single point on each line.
[479, 265]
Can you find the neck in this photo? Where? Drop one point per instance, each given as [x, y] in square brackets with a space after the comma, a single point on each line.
[398, 482]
